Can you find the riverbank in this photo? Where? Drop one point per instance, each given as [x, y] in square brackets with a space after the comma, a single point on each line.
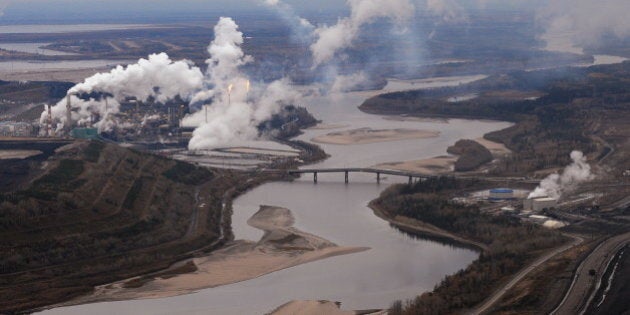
[310, 307]
[282, 246]
[420, 228]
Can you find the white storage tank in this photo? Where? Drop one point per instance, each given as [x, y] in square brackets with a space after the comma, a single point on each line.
[501, 194]
[539, 204]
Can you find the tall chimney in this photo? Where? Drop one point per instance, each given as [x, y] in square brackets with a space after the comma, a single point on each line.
[68, 124]
[49, 122]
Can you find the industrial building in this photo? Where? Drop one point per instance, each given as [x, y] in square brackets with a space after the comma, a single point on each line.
[539, 204]
[18, 129]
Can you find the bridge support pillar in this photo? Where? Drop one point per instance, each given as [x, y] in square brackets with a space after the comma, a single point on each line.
[378, 178]
[347, 177]
[315, 177]
[410, 180]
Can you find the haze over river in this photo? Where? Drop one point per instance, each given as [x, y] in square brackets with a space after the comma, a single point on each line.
[396, 267]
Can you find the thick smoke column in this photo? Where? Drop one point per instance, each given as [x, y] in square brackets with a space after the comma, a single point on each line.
[331, 39]
[583, 21]
[555, 184]
[158, 77]
[236, 108]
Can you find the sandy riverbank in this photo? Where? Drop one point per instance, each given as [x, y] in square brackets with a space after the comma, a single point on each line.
[310, 307]
[369, 135]
[282, 246]
[18, 154]
[433, 166]
[440, 165]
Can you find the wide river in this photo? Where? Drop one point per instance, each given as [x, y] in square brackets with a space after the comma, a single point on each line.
[396, 267]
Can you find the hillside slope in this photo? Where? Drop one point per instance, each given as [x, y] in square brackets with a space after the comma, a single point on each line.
[100, 213]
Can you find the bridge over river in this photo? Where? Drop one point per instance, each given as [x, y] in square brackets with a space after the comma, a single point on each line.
[410, 175]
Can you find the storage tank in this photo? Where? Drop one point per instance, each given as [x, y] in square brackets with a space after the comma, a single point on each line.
[501, 194]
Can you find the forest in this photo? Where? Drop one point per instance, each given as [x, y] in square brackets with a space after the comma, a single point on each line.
[510, 243]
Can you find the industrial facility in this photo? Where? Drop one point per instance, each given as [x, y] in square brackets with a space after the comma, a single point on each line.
[539, 204]
[498, 194]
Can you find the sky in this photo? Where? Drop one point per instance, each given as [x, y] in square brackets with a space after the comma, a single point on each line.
[60, 11]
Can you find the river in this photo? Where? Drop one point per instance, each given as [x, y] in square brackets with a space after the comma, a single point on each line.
[396, 267]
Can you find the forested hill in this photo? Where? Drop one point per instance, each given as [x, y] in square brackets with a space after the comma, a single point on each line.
[101, 213]
[556, 111]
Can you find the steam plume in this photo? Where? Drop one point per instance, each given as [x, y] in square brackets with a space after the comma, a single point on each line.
[583, 22]
[158, 77]
[331, 39]
[447, 10]
[555, 184]
[236, 106]
[301, 28]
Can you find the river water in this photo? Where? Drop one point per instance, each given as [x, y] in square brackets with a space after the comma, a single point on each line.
[396, 267]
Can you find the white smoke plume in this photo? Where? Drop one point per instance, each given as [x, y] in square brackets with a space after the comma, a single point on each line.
[236, 106]
[158, 77]
[556, 184]
[346, 83]
[301, 28]
[3, 5]
[583, 23]
[449, 11]
[332, 39]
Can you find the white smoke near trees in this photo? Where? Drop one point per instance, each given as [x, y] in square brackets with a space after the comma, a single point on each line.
[583, 22]
[332, 39]
[237, 106]
[157, 77]
[556, 184]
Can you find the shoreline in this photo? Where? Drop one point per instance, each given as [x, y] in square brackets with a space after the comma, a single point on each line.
[423, 228]
[281, 247]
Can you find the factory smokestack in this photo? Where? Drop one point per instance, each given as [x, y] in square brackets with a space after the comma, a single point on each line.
[68, 123]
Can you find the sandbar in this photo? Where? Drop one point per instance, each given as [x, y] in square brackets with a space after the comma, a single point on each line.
[369, 135]
[434, 166]
[282, 246]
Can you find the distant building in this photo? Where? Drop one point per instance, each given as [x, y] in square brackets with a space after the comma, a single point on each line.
[84, 133]
[17, 129]
[501, 194]
[539, 204]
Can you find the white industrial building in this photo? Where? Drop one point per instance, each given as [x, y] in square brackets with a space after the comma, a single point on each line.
[539, 204]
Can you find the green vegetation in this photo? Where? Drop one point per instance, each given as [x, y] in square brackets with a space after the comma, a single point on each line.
[510, 243]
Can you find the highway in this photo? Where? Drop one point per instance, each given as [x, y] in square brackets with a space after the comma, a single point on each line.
[498, 294]
[583, 286]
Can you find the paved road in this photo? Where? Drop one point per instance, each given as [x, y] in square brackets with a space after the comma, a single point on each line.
[498, 294]
[582, 288]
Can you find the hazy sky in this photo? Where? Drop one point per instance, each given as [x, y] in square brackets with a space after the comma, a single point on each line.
[70, 10]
